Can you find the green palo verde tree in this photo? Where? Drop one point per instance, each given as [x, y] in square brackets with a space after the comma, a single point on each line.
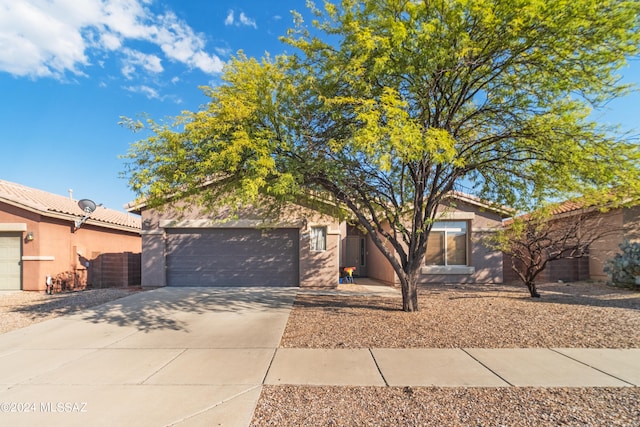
[387, 105]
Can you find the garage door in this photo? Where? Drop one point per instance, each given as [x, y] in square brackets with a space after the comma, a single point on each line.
[232, 257]
[10, 251]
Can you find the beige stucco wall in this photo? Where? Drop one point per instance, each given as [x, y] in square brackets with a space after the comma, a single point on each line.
[153, 261]
[57, 249]
[632, 223]
[625, 224]
[487, 263]
[378, 267]
[316, 269]
[319, 269]
[606, 247]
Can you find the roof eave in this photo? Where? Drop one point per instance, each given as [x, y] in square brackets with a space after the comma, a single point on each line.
[504, 211]
[69, 217]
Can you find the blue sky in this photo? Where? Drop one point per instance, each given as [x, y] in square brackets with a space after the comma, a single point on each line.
[69, 69]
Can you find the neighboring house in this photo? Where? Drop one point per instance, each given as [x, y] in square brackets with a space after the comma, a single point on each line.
[39, 237]
[187, 246]
[618, 225]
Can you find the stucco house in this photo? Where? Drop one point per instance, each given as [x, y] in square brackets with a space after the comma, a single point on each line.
[616, 225]
[455, 249]
[185, 245]
[41, 235]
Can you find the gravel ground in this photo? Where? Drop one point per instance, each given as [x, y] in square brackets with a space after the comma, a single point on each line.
[590, 315]
[20, 309]
[567, 315]
[430, 406]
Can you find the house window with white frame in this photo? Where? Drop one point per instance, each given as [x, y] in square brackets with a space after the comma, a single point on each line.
[318, 239]
[447, 244]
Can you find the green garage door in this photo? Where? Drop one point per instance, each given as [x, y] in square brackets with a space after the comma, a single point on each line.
[10, 251]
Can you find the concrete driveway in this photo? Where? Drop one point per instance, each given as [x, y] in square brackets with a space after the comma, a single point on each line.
[199, 357]
[179, 356]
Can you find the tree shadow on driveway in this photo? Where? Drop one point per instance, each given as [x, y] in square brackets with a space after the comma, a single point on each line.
[174, 308]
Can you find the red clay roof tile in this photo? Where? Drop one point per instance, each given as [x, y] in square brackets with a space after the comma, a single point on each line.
[48, 203]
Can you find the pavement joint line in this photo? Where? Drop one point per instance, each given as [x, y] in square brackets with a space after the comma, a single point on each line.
[592, 367]
[25, 381]
[144, 382]
[488, 368]
[378, 367]
[208, 408]
[10, 352]
[273, 357]
[122, 339]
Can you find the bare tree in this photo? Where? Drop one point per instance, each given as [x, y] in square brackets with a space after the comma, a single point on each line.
[534, 240]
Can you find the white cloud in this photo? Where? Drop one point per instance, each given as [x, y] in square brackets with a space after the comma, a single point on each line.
[180, 43]
[223, 51]
[245, 20]
[128, 70]
[147, 91]
[229, 19]
[242, 20]
[152, 93]
[110, 41]
[33, 41]
[51, 38]
[134, 58]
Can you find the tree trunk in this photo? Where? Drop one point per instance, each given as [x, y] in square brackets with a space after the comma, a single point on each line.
[409, 286]
[533, 290]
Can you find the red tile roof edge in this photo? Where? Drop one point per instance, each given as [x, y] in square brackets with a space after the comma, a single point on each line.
[49, 204]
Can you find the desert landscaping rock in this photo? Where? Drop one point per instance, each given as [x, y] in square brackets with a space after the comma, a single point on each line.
[583, 315]
[21, 309]
[430, 406]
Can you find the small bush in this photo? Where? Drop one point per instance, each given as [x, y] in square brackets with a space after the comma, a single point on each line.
[624, 267]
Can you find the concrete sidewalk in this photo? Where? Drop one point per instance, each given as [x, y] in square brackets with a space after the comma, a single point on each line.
[196, 356]
[530, 367]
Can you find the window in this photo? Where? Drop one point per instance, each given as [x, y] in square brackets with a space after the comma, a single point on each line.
[447, 244]
[318, 238]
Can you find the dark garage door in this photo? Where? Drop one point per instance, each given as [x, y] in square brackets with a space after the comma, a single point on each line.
[232, 257]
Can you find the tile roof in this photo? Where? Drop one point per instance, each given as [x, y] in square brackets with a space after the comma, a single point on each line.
[505, 211]
[50, 204]
[560, 208]
[569, 206]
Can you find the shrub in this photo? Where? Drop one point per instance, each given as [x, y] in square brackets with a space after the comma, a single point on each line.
[624, 267]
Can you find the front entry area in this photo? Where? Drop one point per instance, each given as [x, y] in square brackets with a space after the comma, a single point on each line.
[356, 255]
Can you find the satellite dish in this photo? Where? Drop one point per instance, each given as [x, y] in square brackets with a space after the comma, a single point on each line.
[87, 206]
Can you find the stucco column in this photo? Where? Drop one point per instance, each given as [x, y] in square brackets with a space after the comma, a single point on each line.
[153, 259]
